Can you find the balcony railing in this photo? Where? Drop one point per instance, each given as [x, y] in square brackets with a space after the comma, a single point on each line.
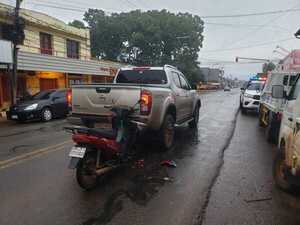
[46, 51]
[56, 52]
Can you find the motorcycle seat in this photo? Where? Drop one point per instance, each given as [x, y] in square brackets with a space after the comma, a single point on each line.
[104, 133]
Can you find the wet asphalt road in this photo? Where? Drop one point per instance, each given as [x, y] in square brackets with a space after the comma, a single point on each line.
[39, 189]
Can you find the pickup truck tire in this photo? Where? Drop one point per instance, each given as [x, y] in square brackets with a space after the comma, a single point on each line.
[272, 130]
[278, 171]
[194, 122]
[243, 110]
[260, 116]
[167, 132]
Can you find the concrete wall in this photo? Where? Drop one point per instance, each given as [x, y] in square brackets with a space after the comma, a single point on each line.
[59, 42]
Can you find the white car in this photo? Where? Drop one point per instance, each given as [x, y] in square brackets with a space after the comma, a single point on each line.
[250, 95]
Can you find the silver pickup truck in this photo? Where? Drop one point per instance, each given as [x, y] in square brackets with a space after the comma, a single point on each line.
[163, 95]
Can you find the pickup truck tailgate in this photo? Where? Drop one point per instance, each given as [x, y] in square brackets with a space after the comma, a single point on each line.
[92, 99]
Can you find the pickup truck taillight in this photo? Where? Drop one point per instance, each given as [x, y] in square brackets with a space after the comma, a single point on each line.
[69, 97]
[146, 102]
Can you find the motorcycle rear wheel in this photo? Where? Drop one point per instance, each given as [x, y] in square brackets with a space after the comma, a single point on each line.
[86, 172]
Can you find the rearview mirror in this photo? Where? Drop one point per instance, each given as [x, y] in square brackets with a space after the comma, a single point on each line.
[278, 91]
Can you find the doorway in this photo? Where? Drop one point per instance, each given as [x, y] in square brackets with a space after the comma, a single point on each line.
[47, 84]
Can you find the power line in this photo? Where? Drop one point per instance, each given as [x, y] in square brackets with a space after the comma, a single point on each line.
[260, 28]
[244, 25]
[250, 46]
[252, 14]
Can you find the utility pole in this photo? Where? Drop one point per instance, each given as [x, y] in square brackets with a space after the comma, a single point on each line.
[18, 37]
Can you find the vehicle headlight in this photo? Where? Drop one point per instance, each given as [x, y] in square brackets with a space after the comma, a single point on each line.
[248, 96]
[31, 107]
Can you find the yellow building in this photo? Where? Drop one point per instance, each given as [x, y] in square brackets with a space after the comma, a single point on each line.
[53, 55]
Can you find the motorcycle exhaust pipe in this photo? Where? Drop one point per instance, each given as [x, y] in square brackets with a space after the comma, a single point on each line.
[104, 170]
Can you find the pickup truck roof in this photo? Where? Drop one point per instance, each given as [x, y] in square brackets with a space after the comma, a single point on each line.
[149, 67]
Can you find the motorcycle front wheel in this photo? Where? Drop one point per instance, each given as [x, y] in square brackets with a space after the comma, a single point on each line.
[86, 172]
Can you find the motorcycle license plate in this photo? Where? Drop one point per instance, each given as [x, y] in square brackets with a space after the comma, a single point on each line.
[77, 152]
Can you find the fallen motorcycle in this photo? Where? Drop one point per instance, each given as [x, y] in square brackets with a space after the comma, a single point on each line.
[98, 151]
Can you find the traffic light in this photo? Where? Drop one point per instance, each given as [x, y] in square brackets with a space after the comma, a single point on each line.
[297, 34]
[18, 31]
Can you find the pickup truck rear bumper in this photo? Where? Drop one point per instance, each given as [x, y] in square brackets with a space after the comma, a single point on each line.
[78, 119]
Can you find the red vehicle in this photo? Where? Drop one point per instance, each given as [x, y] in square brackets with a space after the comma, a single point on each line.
[98, 151]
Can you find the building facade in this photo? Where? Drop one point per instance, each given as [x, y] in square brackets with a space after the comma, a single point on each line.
[53, 55]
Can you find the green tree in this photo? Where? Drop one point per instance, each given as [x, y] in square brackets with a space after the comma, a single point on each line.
[77, 23]
[151, 38]
[268, 67]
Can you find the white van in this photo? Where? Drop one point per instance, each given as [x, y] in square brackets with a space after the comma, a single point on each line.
[270, 111]
[286, 168]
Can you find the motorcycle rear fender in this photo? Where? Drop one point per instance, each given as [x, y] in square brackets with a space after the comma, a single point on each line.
[74, 163]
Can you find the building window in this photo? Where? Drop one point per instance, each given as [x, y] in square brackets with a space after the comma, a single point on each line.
[72, 49]
[46, 43]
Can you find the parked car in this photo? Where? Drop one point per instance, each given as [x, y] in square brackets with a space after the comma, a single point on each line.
[250, 95]
[227, 88]
[162, 94]
[286, 168]
[45, 105]
[270, 110]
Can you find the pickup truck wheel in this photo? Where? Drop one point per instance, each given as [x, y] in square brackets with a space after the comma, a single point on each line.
[194, 122]
[278, 172]
[272, 130]
[168, 132]
[260, 119]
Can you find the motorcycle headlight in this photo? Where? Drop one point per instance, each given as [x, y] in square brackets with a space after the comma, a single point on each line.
[31, 107]
[248, 96]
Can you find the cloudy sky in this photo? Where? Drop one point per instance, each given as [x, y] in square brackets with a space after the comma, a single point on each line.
[225, 38]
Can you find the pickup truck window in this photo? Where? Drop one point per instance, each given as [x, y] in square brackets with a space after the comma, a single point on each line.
[175, 77]
[255, 86]
[184, 84]
[142, 77]
[296, 91]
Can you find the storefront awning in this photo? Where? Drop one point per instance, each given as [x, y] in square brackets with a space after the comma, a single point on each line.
[38, 62]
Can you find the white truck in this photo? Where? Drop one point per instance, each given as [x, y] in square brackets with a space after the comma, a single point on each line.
[286, 168]
[251, 94]
[270, 110]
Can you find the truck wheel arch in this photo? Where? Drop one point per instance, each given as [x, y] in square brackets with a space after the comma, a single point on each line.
[171, 110]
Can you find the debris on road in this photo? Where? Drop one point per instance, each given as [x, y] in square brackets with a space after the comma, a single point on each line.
[168, 163]
[258, 200]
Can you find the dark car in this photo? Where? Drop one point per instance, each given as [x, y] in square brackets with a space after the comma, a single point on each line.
[45, 105]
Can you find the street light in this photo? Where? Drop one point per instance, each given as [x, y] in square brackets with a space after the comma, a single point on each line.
[297, 34]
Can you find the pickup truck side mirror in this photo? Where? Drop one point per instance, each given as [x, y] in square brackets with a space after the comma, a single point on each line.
[194, 87]
[278, 91]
